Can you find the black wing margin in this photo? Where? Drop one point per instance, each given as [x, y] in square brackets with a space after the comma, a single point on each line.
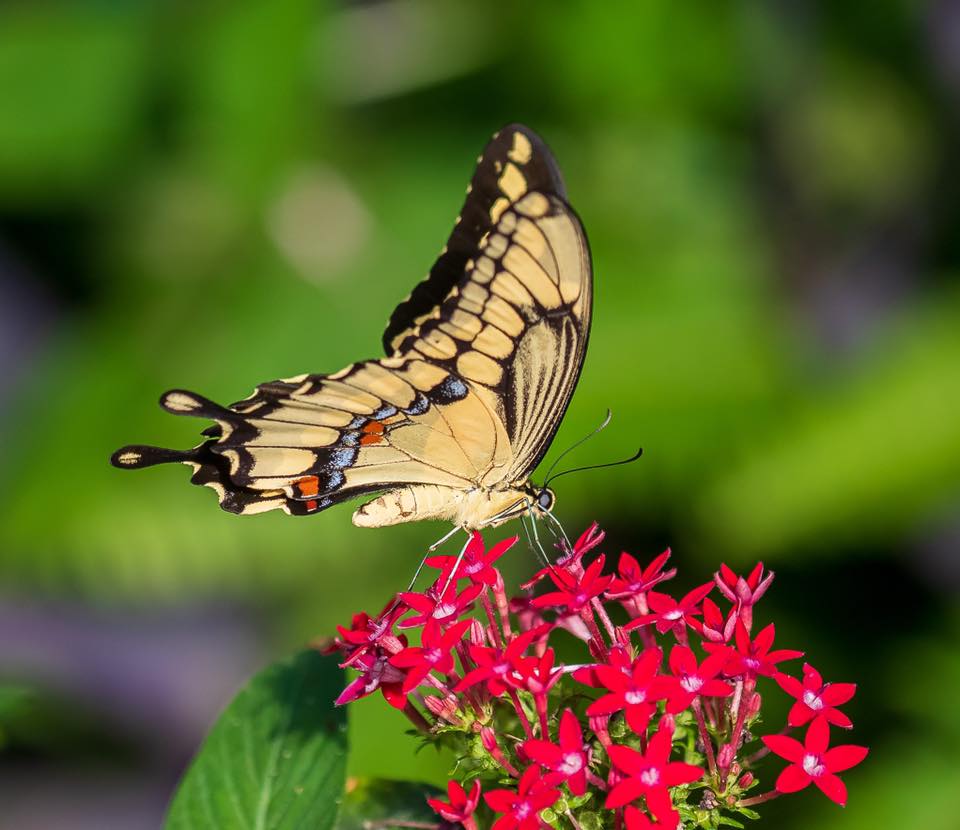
[516, 160]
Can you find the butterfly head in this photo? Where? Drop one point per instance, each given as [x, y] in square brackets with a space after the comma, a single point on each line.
[543, 500]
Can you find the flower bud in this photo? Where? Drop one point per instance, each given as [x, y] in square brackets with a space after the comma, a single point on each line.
[668, 724]
[746, 780]
[477, 636]
[753, 706]
[726, 755]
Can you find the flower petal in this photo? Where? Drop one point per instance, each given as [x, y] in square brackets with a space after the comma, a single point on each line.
[785, 747]
[792, 779]
[843, 757]
[623, 793]
[832, 787]
[835, 694]
[818, 736]
[626, 759]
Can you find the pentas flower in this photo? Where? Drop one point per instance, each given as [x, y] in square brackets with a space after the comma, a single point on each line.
[714, 627]
[753, 657]
[521, 809]
[569, 559]
[633, 580]
[608, 729]
[443, 607]
[650, 774]
[432, 655]
[636, 692]
[477, 563]
[375, 673]
[812, 761]
[694, 680]
[567, 760]
[460, 806]
[814, 697]
[495, 666]
[668, 613]
[575, 592]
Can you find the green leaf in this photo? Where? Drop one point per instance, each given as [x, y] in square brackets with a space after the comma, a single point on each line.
[382, 801]
[276, 758]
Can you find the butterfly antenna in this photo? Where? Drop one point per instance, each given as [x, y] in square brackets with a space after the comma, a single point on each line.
[541, 556]
[629, 460]
[570, 449]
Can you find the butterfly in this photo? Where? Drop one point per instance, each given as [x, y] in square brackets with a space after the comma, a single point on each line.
[482, 359]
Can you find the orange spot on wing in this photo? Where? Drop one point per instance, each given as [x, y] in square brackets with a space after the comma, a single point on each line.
[373, 428]
[309, 486]
[370, 438]
[311, 505]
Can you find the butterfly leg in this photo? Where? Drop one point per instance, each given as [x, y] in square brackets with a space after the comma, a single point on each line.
[444, 538]
[456, 564]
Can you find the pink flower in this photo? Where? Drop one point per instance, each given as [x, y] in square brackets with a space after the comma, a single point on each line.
[667, 612]
[649, 774]
[443, 609]
[814, 697]
[747, 591]
[634, 580]
[694, 680]
[575, 592]
[635, 691]
[714, 628]
[522, 808]
[812, 761]
[536, 674]
[567, 760]
[375, 673]
[432, 655]
[570, 559]
[496, 666]
[752, 658]
[460, 807]
[476, 565]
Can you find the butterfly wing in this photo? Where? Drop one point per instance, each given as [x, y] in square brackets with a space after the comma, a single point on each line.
[307, 443]
[476, 384]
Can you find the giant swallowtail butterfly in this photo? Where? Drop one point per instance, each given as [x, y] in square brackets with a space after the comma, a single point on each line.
[482, 360]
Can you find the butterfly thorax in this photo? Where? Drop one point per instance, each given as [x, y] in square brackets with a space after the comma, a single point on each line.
[470, 509]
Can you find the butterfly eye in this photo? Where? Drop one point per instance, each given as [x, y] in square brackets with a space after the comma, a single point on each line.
[545, 500]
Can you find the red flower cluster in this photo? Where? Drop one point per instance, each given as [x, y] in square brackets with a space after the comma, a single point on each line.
[622, 739]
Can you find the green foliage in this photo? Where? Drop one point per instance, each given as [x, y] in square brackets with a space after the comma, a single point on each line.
[377, 800]
[275, 759]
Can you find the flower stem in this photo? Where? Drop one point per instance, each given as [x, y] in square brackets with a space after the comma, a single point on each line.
[705, 738]
[520, 713]
[758, 799]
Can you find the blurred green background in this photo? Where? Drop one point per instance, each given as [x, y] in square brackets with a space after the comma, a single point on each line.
[210, 195]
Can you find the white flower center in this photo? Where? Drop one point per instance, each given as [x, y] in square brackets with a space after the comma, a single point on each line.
[813, 766]
[691, 683]
[443, 609]
[650, 777]
[572, 763]
[676, 614]
[813, 701]
[751, 663]
[434, 655]
[522, 810]
[633, 697]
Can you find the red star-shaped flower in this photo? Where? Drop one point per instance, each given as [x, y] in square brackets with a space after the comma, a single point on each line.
[460, 806]
[745, 591]
[714, 628]
[633, 580]
[812, 761]
[476, 564]
[443, 608]
[375, 673]
[566, 760]
[569, 560]
[522, 808]
[432, 655]
[752, 658]
[649, 774]
[575, 592]
[496, 666]
[814, 697]
[635, 692]
[693, 680]
[667, 612]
